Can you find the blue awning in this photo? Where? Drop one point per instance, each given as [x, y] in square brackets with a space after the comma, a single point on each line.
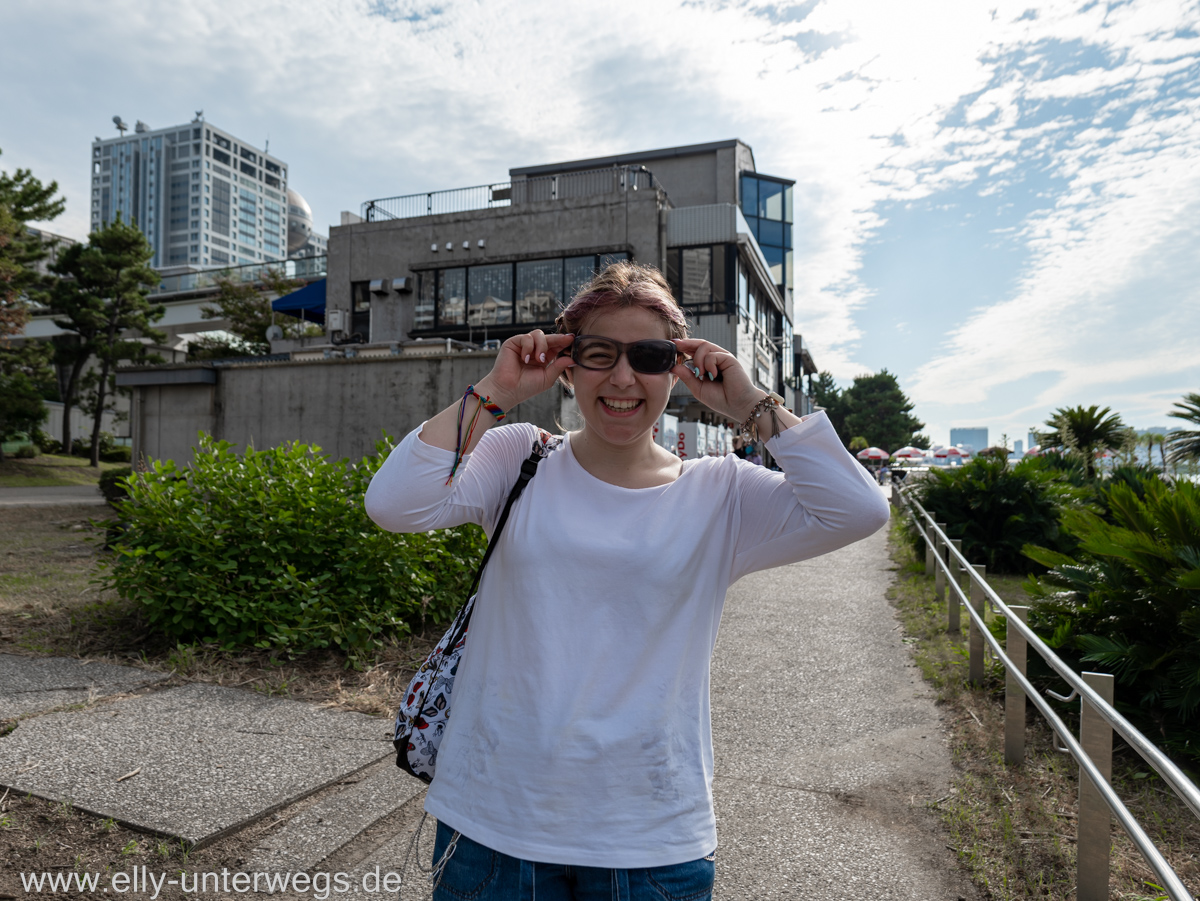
[308, 303]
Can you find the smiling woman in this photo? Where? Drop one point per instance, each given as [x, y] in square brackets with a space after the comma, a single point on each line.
[581, 737]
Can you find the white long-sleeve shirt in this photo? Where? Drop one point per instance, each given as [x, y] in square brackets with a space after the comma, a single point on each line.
[580, 730]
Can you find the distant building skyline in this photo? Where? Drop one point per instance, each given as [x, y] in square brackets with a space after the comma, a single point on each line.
[976, 438]
[202, 196]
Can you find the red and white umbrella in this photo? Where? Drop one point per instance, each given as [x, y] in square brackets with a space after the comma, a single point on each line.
[873, 453]
[949, 453]
[911, 453]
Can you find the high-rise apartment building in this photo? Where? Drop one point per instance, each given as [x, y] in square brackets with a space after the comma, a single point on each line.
[976, 439]
[200, 195]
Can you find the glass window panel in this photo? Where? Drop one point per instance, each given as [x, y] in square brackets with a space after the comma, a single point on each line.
[787, 204]
[607, 259]
[718, 280]
[452, 297]
[696, 265]
[774, 257]
[749, 196]
[490, 295]
[770, 200]
[673, 273]
[788, 273]
[770, 233]
[423, 311]
[787, 236]
[577, 272]
[752, 305]
[539, 290]
[743, 290]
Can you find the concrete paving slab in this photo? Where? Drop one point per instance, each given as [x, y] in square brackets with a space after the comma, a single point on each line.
[329, 825]
[206, 760]
[55, 495]
[31, 684]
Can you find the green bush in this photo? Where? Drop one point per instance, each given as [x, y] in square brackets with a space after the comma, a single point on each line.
[46, 443]
[273, 549]
[27, 452]
[118, 454]
[1128, 602]
[996, 509]
[113, 483]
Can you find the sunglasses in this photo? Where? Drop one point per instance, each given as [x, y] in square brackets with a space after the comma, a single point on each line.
[650, 357]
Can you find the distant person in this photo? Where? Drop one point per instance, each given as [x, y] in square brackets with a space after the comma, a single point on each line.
[739, 447]
[753, 456]
[885, 474]
[578, 757]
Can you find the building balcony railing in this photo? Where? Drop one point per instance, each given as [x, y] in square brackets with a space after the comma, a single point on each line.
[587, 183]
[307, 268]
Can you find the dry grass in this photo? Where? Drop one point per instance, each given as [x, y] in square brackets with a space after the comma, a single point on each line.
[50, 470]
[1014, 827]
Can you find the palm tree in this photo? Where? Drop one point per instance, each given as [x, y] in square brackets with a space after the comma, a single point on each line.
[1151, 439]
[1087, 431]
[1185, 443]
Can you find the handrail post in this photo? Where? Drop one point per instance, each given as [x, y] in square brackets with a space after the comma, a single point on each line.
[929, 539]
[1095, 820]
[975, 640]
[953, 613]
[939, 580]
[1014, 694]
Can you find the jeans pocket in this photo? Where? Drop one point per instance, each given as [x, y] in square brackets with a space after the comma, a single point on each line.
[471, 869]
[691, 881]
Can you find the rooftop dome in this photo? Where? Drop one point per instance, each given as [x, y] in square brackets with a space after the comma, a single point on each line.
[299, 221]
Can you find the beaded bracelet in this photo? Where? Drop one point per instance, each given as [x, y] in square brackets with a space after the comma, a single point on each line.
[769, 402]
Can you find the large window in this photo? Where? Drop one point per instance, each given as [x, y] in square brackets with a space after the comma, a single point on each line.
[360, 309]
[490, 293]
[501, 294]
[767, 206]
[700, 277]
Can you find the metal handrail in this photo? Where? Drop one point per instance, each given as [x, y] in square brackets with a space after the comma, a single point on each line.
[1170, 773]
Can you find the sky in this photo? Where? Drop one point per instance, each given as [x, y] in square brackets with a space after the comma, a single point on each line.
[997, 202]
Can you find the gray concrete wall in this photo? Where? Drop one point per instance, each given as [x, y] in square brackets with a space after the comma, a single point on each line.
[386, 250]
[342, 405]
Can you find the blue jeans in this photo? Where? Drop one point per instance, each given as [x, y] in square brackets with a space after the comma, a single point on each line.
[477, 873]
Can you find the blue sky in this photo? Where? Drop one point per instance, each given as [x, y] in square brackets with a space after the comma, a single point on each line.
[995, 202]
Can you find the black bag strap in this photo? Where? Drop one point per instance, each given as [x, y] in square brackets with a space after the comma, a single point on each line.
[528, 471]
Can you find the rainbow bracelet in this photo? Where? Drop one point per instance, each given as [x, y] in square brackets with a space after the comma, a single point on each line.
[488, 404]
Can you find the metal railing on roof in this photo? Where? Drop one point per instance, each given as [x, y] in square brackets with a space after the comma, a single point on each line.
[1099, 718]
[586, 183]
[309, 268]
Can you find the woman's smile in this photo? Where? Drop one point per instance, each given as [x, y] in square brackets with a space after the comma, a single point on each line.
[621, 406]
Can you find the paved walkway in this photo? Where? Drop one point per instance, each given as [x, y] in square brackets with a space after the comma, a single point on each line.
[827, 743]
[51, 496]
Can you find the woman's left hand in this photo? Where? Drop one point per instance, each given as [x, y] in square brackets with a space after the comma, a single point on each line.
[723, 385]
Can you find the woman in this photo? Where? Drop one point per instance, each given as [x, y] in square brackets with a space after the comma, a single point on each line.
[578, 760]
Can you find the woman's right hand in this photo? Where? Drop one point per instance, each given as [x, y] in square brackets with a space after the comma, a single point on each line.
[525, 367]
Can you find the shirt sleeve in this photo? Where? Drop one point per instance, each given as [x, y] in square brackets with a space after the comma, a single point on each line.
[823, 500]
[409, 492]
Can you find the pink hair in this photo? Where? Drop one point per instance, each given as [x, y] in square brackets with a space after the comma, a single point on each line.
[624, 284]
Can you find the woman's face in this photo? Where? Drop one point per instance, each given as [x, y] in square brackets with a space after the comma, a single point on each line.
[620, 405]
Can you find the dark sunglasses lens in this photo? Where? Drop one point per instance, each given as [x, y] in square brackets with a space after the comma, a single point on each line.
[595, 353]
[652, 356]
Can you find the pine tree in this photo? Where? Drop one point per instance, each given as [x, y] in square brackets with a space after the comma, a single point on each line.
[879, 411]
[827, 395]
[102, 299]
[23, 199]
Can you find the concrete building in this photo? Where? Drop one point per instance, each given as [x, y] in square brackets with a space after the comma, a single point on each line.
[422, 288]
[976, 439]
[202, 196]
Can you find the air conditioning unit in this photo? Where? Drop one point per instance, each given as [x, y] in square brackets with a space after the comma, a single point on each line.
[337, 320]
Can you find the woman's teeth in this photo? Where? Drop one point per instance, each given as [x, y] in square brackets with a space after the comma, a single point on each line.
[620, 406]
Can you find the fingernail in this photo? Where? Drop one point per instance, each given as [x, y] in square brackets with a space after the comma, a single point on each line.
[542, 358]
[711, 376]
[526, 358]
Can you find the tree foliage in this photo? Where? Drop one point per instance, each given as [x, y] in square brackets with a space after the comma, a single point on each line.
[997, 510]
[24, 377]
[827, 394]
[1086, 431]
[878, 410]
[23, 199]
[103, 299]
[247, 306]
[1128, 602]
[273, 549]
[1185, 444]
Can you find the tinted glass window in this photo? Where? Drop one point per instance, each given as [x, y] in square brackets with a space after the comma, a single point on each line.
[577, 272]
[774, 257]
[452, 297]
[423, 312]
[490, 295]
[749, 196]
[696, 275]
[770, 200]
[770, 232]
[539, 290]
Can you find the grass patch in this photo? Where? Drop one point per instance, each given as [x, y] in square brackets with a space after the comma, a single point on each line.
[1014, 827]
[49, 471]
